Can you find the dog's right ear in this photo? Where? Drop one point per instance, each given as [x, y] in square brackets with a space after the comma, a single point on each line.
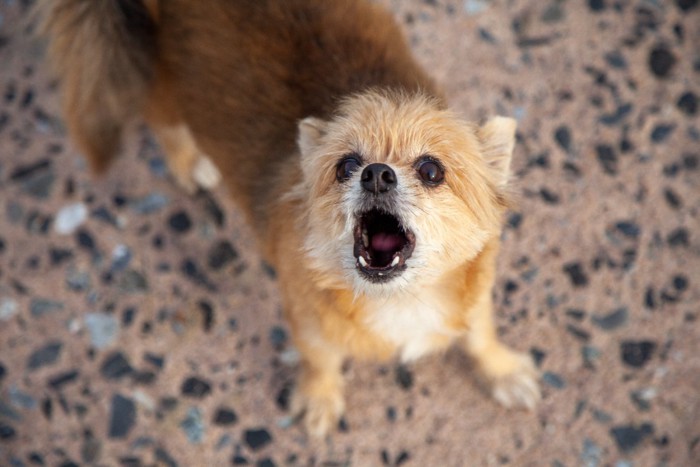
[311, 130]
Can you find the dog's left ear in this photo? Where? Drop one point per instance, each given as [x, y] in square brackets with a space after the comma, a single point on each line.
[497, 137]
[311, 129]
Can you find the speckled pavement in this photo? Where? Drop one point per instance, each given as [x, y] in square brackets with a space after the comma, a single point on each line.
[139, 326]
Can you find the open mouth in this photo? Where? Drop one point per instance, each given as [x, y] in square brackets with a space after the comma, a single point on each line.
[382, 245]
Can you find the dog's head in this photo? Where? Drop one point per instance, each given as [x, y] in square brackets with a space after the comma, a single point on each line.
[399, 191]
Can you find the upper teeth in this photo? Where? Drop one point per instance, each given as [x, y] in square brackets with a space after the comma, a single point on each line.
[365, 238]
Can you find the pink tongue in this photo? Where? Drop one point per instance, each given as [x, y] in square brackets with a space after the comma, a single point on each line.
[386, 242]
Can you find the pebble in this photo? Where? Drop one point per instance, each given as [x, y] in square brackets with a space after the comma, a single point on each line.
[78, 281]
[195, 387]
[636, 354]
[8, 308]
[688, 103]
[225, 416]
[474, 7]
[193, 425]
[122, 416]
[121, 257]
[404, 377]
[607, 158]
[115, 366]
[628, 437]
[221, 254]
[576, 274]
[180, 222]
[257, 438]
[40, 307]
[661, 61]
[45, 356]
[69, 218]
[149, 204]
[20, 399]
[612, 320]
[132, 281]
[590, 453]
[554, 380]
[103, 329]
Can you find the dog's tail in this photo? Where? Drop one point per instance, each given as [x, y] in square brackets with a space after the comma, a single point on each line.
[102, 51]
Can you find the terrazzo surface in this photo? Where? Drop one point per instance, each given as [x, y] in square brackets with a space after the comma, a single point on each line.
[139, 326]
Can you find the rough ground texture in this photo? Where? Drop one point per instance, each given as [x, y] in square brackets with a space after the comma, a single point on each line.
[139, 327]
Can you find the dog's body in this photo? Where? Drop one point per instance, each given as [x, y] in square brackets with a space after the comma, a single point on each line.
[379, 208]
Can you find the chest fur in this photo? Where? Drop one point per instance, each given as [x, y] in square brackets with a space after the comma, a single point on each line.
[417, 324]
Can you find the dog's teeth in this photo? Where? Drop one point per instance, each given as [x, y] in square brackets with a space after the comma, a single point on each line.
[365, 238]
[395, 261]
[362, 261]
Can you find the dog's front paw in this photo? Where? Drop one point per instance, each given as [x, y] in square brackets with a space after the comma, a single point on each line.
[513, 379]
[319, 413]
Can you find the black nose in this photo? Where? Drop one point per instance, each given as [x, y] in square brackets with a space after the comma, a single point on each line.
[378, 178]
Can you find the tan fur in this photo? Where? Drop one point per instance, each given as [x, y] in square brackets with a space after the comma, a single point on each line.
[275, 94]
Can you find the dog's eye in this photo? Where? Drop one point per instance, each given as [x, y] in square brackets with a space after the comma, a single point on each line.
[430, 171]
[346, 167]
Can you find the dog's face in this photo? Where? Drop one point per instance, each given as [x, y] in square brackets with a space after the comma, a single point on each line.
[399, 192]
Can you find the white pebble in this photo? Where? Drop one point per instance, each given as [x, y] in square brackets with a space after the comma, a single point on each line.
[70, 218]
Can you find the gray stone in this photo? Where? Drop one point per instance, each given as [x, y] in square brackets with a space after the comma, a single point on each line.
[103, 329]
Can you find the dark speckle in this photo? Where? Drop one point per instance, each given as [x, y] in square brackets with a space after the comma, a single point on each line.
[661, 132]
[548, 196]
[59, 381]
[616, 60]
[278, 337]
[257, 438]
[661, 61]
[672, 199]
[680, 283]
[686, 5]
[678, 237]
[628, 228]
[628, 437]
[6, 431]
[562, 136]
[637, 353]
[45, 356]
[554, 380]
[612, 320]
[688, 103]
[180, 222]
[191, 271]
[195, 387]
[221, 254]
[607, 158]
[404, 377]
[122, 417]
[576, 274]
[207, 310]
[3, 372]
[225, 416]
[515, 219]
[596, 5]
[85, 240]
[115, 366]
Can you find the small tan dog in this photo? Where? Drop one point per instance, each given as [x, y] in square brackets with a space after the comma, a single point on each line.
[380, 209]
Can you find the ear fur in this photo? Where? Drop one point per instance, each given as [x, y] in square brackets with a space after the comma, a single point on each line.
[497, 138]
[311, 129]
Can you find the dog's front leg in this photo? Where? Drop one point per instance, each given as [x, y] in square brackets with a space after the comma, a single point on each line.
[318, 397]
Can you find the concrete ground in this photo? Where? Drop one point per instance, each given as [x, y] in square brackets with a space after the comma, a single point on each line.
[139, 327]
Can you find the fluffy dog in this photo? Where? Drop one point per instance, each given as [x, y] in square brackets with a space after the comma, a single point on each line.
[380, 209]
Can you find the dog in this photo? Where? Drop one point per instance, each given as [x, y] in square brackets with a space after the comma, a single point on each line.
[379, 208]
